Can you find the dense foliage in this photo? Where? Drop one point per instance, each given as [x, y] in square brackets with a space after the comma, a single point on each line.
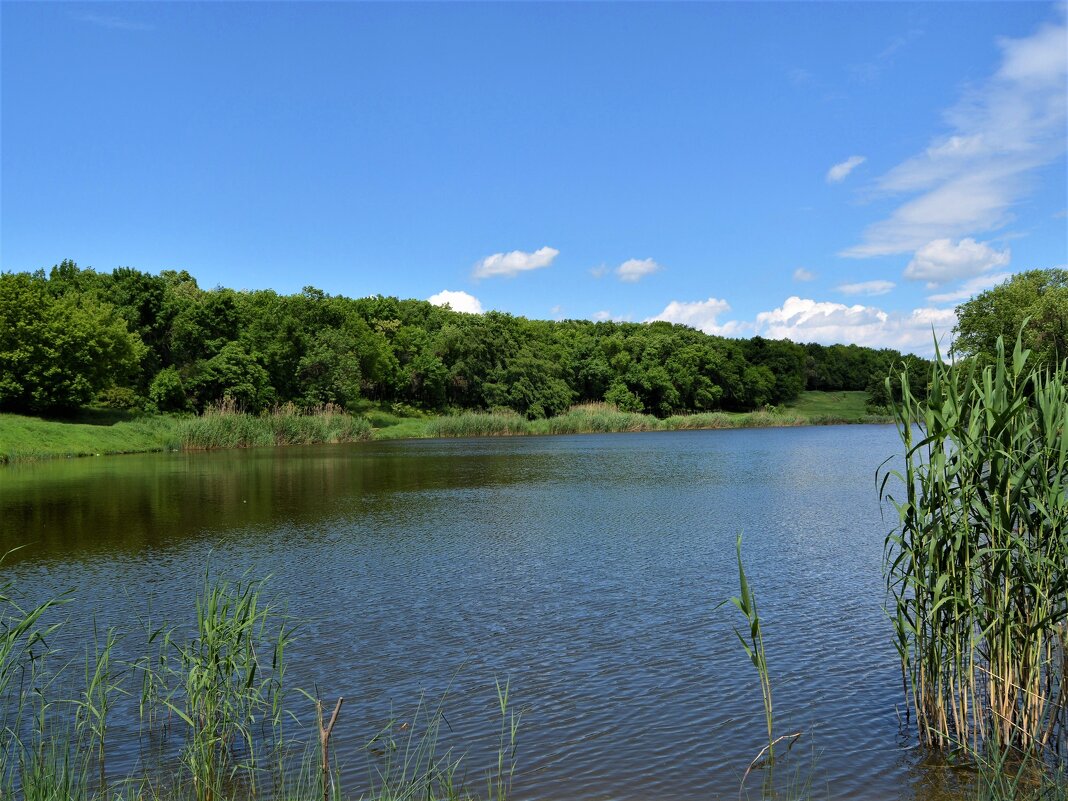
[1039, 297]
[129, 338]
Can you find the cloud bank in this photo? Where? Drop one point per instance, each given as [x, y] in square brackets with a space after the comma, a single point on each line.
[807, 320]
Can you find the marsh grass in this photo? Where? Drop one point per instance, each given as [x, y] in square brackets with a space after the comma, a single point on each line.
[588, 418]
[224, 425]
[977, 566]
[212, 704]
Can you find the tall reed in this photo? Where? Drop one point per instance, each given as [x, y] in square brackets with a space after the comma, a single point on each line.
[977, 565]
[224, 425]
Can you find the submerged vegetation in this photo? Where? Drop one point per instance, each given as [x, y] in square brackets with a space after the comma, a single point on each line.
[977, 566]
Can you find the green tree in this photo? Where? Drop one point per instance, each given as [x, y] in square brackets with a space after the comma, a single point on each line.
[1038, 296]
[57, 353]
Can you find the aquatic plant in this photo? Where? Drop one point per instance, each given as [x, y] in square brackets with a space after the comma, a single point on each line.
[753, 644]
[224, 425]
[977, 565]
[212, 705]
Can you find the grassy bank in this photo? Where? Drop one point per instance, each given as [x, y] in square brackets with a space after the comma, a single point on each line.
[27, 438]
[24, 438]
[812, 408]
[95, 433]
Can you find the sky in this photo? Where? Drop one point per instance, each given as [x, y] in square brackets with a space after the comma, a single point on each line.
[829, 172]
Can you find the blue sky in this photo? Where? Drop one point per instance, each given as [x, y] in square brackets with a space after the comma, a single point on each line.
[835, 172]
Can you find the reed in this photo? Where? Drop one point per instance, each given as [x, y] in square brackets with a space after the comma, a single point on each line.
[213, 701]
[224, 425]
[977, 565]
[753, 644]
[477, 424]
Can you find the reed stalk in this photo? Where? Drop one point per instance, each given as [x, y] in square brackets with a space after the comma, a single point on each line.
[753, 644]
[977, 565]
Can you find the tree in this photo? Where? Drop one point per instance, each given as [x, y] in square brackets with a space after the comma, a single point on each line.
[1038, 296]
[57, 353]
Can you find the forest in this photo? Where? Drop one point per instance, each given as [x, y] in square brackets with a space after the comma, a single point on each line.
[72, 337]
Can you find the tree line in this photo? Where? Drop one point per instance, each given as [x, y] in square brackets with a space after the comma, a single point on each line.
[72, 337]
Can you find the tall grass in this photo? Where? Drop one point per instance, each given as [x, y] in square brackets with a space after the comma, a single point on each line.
[595, 418]
[215, 721]
[977, 566]
[223, 425]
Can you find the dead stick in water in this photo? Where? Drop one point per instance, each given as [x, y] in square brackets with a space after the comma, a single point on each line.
[324, 741]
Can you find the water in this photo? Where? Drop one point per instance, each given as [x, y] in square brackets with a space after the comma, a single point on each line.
[587, 570]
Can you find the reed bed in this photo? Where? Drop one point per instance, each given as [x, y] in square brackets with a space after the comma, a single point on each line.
[977, 566]
[214, 715]
[223, 425]
[595, 418]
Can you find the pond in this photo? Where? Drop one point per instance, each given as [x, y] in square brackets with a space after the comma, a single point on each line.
[588, 571]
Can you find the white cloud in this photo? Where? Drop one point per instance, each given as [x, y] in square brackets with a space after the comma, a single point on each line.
[801, 274]
[806, 320]
[866, 288]
[636, 269]
[838, 172]
[967, 180]
[702, 315]
[518, 261]
[941, 261]
[969, 288]
[457, 301]
[599, 271]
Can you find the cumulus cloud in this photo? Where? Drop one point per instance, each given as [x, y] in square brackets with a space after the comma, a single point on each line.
[457, 301]
[801, 274]
[702, 315]
[969, 288]
[866, 288]
[940, 261]
[838, 172]
[806, 320]
[636, 269]
[511, 264]
[967, 180]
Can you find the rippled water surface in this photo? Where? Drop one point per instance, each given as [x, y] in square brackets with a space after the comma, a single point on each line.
[587, 570]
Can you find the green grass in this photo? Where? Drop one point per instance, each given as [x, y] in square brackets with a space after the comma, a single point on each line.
[36, 438]
[224, 427]
[27, 438]
[589, 418]
[835, 407]
[97, 432]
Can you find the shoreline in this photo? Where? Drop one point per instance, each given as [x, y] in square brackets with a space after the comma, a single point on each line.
[28, 439]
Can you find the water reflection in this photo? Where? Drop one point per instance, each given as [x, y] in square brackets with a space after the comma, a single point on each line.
[585, 569]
